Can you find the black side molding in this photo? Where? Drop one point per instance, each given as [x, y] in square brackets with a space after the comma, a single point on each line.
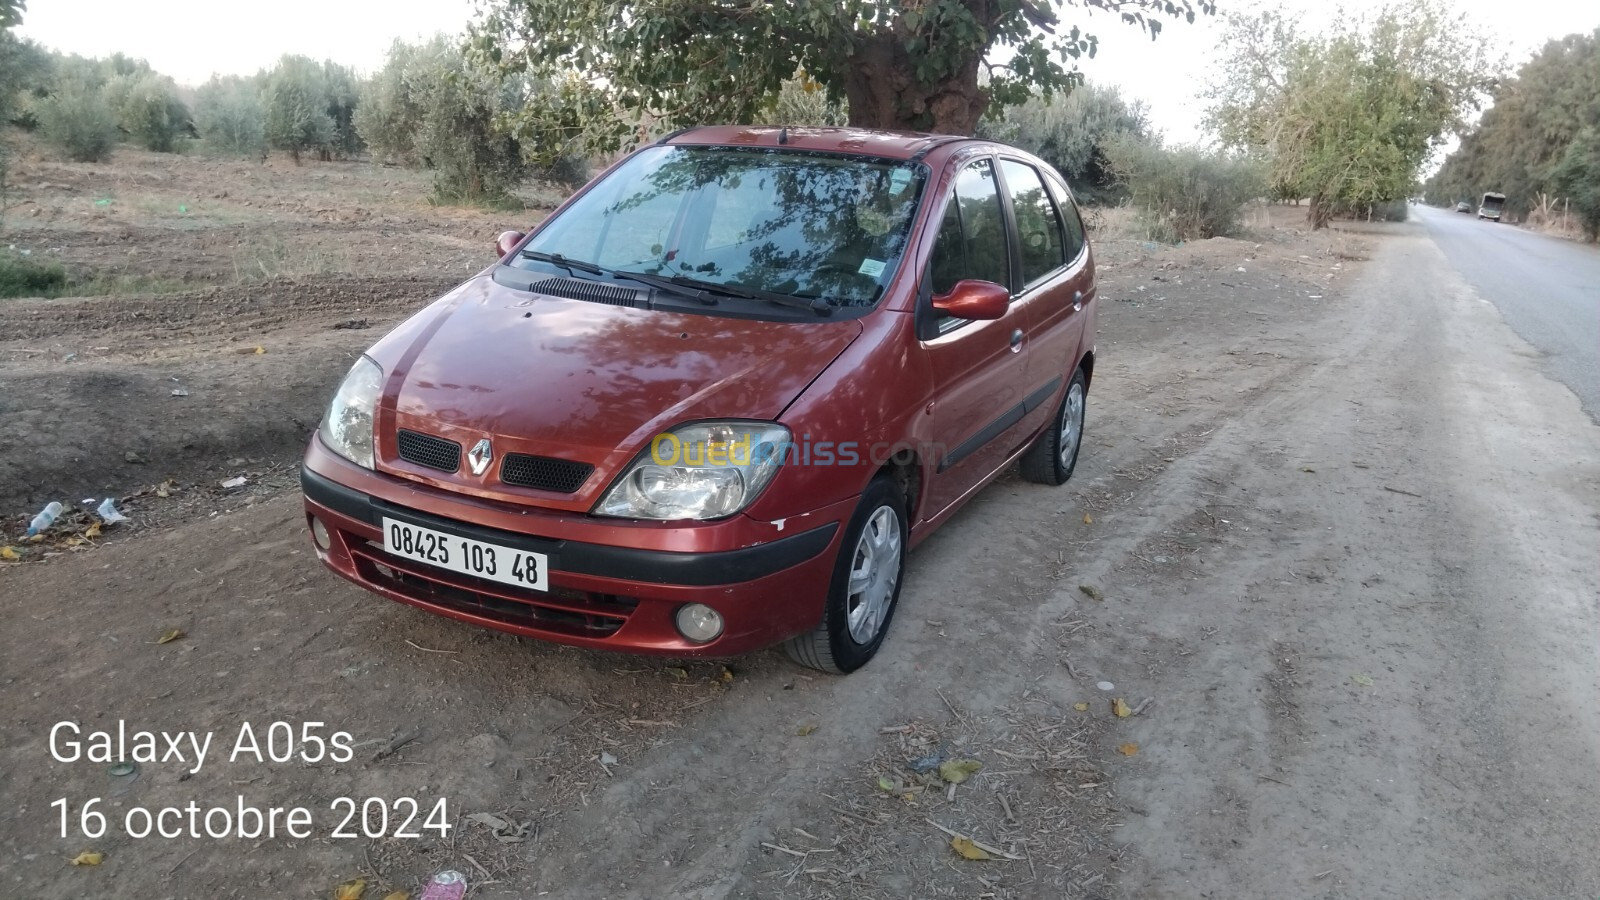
[998, 427]
[652, 566]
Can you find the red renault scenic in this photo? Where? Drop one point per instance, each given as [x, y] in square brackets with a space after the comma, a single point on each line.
[712, 401]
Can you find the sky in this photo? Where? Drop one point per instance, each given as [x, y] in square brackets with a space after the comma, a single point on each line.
[191, 39]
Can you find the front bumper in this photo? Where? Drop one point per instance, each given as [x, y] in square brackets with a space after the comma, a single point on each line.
[617, 588]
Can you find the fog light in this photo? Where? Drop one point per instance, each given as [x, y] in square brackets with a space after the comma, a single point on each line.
[319, 533]
[699, 623]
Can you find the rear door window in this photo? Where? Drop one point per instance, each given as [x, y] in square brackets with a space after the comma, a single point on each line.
[1038, 226]
[1071, 221]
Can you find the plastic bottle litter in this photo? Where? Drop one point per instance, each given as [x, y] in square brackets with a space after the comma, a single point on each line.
[45, 518]
[1106, 686]
[447, 885]
[107, 511]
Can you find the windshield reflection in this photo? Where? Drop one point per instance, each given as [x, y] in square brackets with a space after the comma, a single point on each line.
[807, 225]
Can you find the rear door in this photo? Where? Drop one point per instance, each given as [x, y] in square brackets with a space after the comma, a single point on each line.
[1056, 279]
[977, 365]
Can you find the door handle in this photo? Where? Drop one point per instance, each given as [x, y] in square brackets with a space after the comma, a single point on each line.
[1077, 301]
[1016, 339]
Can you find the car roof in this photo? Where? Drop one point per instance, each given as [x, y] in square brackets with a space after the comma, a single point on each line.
[866, 141]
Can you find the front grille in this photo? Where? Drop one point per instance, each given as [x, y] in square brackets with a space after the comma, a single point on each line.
[430, 451]
[562, 610]
[546, 473]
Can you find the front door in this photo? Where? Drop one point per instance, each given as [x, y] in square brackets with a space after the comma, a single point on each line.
[977, 365]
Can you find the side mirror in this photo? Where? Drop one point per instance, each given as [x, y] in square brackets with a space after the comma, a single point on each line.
[974, 299]
[508, 241]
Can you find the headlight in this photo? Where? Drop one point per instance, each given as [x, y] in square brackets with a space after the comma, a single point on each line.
[347, 428]
[703, 471]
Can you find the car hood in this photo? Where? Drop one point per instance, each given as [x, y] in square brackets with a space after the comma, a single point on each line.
[581, 380]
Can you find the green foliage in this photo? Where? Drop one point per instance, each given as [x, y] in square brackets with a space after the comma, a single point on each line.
[25, 71]
[297, 101]
[1348, 119]
[899, 65]
[1071, 132]
[78, 120]
[11, 12]
[343, 89]
[1520, 141]
[1185, 193]
[229, 115]
[24, 276]
[431, 105]
[1577, 176]
[802, 100]
[149, 110]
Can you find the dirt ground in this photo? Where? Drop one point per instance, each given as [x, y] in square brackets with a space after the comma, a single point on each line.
[1332, 542]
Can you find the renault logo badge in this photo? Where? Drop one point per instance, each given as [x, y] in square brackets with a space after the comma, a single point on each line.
[480, 456]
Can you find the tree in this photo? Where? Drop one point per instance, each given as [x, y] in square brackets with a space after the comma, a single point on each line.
[430, 104]
[1349, 119]
[914, 65]
[1577, 175]
[296, 99]
[1536, 116]
[11, 12]
[148, 109]
[229, 115]
[77, 119]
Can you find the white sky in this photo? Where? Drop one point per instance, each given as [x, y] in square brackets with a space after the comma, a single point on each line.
[191, 39]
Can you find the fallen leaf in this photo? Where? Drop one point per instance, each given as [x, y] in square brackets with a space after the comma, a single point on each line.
[1121, 708]
[678, 673]
[9, 553]
[956, 771]
[1364, 680]
[398, 895]
[1081, 707]
[1088, 519]
[165, 488]
[88, 858]
[1128, 749]
[726, 675]
[806, 729]
[93, 531]
[350, 890]
[170, 636]
[260, 350]
[1307, 469]
[1092, 592]
[489, 820]
[884, 784]
[968, 849]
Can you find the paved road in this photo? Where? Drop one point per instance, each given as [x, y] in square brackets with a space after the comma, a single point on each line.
[1548, 290]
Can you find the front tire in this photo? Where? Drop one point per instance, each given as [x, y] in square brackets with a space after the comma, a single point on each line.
[1054, 455]
[865, 588]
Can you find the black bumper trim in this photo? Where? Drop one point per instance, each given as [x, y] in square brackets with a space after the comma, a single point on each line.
[650, 566]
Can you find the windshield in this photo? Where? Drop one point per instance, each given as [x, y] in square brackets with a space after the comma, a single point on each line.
[783, 222]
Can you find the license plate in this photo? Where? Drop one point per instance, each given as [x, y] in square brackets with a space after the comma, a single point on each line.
[479, 559]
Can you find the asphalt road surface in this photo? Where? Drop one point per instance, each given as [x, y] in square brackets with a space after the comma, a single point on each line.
[1548, 290]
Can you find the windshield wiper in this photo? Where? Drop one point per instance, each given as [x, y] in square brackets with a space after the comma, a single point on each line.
[564, 262]
[816, 304]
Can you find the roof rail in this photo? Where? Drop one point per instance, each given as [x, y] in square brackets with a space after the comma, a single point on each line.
[938, 142]
[680, 132]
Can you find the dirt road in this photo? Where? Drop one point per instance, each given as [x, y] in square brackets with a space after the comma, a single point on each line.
[1342, 534]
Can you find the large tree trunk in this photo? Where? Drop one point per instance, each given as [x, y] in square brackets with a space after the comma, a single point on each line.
[883, 93]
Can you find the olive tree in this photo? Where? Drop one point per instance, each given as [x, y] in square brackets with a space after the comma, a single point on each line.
[296, 100]
[930, 65]
[1348, 119]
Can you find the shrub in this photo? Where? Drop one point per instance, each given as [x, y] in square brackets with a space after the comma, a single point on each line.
[1072, 132]
[22, 276]
[802, 100]
[1578, 175]
[78, 120]
[1185, 193]
[149, 110]
[431, 105]
[229, 115]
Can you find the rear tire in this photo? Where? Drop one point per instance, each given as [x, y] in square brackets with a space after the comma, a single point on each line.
[865, 588]
[1054, 456]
